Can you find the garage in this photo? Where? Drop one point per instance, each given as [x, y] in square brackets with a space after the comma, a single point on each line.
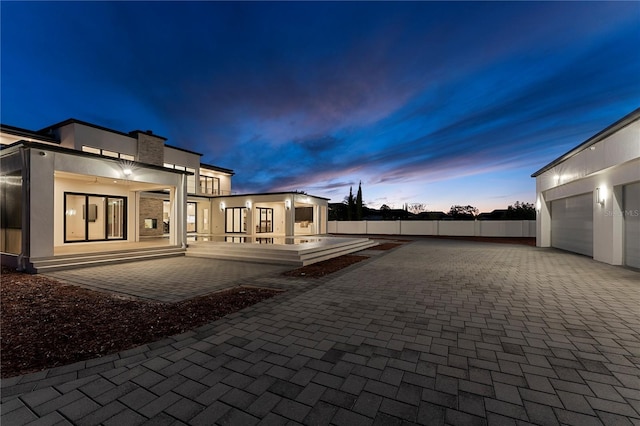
[631, 197]
[572, 224]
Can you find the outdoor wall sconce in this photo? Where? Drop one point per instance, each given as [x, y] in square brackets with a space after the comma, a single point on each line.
[287, 204]
[538, 205]
[222, 206]
[601, 194]
[248, 204]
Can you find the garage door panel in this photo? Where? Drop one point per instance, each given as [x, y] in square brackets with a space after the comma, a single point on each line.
[572, 224]
[631, 197]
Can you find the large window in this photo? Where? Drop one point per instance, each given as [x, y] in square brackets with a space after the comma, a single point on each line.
[235, 220]
[91, 217]
[265, 223]
[209, 185]
[191, 178]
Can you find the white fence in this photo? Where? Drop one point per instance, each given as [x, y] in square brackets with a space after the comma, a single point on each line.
[460, 228]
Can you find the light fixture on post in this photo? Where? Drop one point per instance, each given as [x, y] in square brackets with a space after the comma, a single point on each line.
[287, 204]
[222, 206]
[248, 204]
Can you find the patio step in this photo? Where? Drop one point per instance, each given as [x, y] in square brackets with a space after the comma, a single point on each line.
[71, 261]
[293, 255]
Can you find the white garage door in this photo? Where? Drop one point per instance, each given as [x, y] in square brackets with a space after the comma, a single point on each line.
[631, 196]
[572, 224]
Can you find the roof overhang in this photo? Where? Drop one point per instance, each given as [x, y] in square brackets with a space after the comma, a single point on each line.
[610, 130]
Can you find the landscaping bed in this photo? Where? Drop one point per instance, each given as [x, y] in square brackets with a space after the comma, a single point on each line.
[321, 269]
[44, 323]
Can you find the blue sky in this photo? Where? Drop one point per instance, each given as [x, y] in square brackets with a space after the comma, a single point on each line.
[438, 103]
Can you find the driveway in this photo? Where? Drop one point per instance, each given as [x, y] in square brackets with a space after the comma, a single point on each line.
[435, 332]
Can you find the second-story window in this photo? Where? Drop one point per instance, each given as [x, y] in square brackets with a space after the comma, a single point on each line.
[209, 185]
[108, 153]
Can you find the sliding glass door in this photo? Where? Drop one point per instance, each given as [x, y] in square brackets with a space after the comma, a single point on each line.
[90, 217]
[235, 220]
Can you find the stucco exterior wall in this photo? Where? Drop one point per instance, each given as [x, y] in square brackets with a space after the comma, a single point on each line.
[464, 228]
[604, 168]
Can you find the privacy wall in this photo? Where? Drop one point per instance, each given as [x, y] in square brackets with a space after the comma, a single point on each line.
[458, 228]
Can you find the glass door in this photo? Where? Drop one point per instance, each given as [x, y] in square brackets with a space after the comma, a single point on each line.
[236, 220]
[90, 217]
[191, 217]
[115, 218]
[74, 214]
[265, 223]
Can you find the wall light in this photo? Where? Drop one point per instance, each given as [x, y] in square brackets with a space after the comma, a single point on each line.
[126, 172]
[248, 204]
[287, 204]
[601, 195]
[538, 205]
[222, 206]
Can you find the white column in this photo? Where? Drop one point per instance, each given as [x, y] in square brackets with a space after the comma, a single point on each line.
[543, 222]
[289, 217]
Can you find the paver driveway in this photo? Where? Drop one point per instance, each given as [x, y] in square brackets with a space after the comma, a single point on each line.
[435, 332]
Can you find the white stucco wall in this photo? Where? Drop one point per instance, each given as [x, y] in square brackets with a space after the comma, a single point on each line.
[75, 135]
[464, 228]
[608, 165]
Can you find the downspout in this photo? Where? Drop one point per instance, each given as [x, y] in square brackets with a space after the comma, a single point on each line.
[25, 244]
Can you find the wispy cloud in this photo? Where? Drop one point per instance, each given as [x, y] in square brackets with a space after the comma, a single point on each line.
[316, 96]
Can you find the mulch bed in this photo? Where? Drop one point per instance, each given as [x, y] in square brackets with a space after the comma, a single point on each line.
[320, 269]
[44, 323]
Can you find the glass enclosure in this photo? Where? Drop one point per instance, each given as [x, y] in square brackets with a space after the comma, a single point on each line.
[11, 213]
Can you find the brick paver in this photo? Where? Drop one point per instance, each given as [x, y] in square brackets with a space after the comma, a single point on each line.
[435, 332]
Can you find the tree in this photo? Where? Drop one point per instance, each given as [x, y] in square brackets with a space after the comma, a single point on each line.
[521, 211]
[350, 204]
[359, 202]
[385, 211]
[463, 212]
[416, 208]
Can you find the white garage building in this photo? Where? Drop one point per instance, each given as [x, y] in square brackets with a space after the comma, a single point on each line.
[588, 200]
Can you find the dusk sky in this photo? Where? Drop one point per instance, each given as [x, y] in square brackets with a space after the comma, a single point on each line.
[424, 102]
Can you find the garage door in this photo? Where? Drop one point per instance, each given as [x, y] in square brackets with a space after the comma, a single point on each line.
[631, 197]
[572, 224]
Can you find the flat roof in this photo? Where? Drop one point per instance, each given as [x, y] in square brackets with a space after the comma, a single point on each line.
[24, 133]
[608, 131]
[216, 168]
[71, 151]
[273, 193]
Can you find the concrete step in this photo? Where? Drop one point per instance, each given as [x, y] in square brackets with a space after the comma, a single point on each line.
[284, 254]
[71, 261]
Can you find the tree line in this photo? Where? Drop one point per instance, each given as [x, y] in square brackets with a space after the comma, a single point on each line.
[354, 209]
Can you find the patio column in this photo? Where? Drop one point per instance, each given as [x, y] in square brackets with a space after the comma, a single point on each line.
[289, 217]
[40, 203]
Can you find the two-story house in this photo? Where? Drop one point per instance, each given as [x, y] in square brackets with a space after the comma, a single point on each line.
[77, 186]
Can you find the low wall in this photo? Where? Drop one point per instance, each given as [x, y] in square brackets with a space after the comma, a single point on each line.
[459, 228]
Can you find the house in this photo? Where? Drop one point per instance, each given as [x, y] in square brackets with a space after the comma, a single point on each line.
[588, 200]
[77, 186]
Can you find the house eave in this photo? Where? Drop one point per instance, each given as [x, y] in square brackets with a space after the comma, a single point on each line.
[613, 128]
